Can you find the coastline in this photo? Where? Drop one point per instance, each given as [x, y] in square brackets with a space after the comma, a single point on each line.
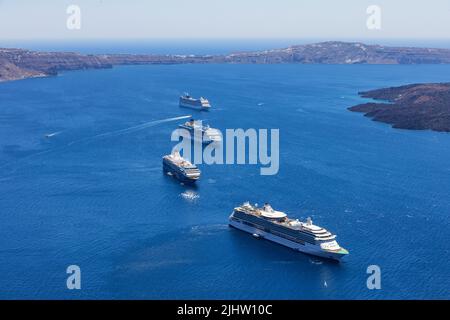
[17, 64]
[421, 106]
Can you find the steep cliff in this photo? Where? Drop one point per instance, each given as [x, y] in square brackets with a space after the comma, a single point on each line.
[19, 64]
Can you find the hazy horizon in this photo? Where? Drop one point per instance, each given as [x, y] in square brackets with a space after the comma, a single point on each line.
[195, 46]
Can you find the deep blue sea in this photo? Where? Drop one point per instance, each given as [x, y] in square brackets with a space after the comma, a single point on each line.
[96, 197]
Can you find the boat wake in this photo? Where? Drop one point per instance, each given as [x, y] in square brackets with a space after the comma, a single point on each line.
[190, 195]
[120, 132]
[208, 230]
[49, 135]
[315, 261]
[114, 133]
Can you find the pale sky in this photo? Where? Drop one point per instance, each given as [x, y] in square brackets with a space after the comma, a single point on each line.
[131, 19]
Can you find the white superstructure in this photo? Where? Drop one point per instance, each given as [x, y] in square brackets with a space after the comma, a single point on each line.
[204, 133]
[189, 102]
[181, 168]
[275, 226]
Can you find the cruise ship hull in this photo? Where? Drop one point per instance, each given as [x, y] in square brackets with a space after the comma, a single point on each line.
[169, 168]
[194, 106]
[304, 248]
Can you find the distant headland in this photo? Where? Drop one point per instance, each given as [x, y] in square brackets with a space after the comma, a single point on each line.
[415, 106]
[16, 64]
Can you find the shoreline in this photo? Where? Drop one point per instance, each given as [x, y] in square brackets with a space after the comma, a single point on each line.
[17, 64]
[420, 106]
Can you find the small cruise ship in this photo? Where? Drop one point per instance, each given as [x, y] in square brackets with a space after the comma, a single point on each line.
[204, 133]
[189, 102]
[180, 168]
[275, 226]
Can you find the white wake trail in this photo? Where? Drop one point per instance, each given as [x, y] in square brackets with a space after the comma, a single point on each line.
[101, 135]
[141, 126]
[49, 135]
[129, 130]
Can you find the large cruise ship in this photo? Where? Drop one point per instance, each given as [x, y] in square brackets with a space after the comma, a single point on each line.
[189, 102]
[197, 131]
[180, 168]
[275, 226]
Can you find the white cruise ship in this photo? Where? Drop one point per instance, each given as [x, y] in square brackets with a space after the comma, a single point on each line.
[275, 226]
[180, 168]
[203, 133]
[189, 102]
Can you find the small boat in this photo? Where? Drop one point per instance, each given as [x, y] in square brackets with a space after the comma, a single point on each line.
[49, 135]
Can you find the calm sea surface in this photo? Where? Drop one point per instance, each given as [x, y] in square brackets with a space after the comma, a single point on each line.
[95, 197]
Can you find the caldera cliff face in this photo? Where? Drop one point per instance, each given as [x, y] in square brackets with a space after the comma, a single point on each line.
[18, 64]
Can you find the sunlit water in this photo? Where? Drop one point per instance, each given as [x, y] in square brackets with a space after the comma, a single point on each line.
[92, 193]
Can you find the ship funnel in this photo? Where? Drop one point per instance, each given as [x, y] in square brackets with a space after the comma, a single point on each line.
[309, 221]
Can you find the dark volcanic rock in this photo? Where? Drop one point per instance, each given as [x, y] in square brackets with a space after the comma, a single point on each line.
[415, 106]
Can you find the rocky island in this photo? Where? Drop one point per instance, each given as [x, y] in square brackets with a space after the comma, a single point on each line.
[18, 64]
[415, 106]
